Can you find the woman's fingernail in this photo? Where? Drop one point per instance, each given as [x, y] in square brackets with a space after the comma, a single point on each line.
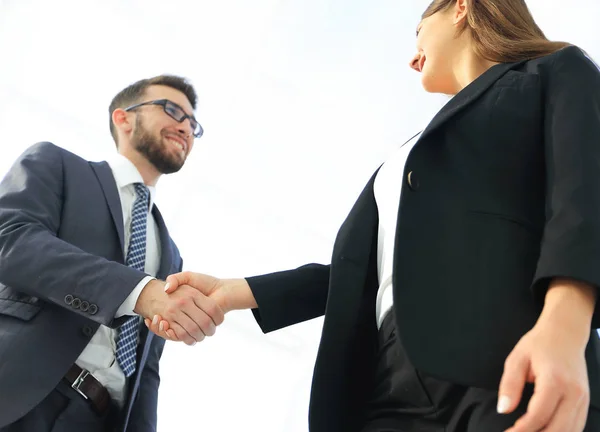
[155, 320]
[160, 326]
[167, 286]
[503, 404]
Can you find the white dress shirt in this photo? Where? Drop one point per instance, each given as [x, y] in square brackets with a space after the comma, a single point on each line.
[98, 357]
[388, 187]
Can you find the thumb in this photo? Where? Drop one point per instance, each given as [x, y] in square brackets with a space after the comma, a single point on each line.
[203, 283]
[512, 384]
[175, 280]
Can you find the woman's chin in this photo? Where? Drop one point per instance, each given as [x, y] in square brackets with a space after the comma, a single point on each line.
[429, 83]
[432, 85]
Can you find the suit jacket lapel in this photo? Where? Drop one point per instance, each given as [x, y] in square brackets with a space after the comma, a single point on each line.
[109, 187]
[166, 256]
[468, 95]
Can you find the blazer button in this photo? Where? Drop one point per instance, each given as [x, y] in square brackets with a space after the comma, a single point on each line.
[93, 309]
[87, 331]
[413, 182]
[76, 303]
[84, 306]
[69, 299]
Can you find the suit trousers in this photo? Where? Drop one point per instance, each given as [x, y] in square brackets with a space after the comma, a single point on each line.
[64, 410]
[404, 399]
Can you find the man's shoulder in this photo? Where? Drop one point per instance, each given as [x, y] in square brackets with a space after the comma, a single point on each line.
[52, 151]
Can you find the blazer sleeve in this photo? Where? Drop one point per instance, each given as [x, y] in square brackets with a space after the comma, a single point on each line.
[290, 297]
[570, 245]
[34, 261]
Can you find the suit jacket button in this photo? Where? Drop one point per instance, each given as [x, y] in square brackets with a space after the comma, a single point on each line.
[413, 182]
[76, 303]
[93, 309]
[69, 299]
[87, 331]
[84, 306]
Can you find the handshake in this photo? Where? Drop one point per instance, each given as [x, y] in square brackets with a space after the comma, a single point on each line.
[190, 306]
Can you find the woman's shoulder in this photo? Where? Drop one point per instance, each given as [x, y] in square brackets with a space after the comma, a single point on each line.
[568, 54]
[568, 61]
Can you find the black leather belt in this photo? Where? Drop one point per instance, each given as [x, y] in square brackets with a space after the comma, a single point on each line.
[89, 388]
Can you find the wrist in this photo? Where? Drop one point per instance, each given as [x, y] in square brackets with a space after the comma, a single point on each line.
[570, 305]
[237, 295]
[145, 305]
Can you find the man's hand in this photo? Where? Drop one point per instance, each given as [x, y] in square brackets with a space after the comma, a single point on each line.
[192, 315]
[228, 294]
[552, 357]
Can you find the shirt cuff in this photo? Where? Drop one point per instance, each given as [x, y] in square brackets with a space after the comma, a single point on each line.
[129, 304]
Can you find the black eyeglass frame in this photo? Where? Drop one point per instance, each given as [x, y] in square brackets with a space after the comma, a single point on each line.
[196, 127]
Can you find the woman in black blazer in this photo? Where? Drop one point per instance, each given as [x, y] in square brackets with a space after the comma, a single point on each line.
[443, 313]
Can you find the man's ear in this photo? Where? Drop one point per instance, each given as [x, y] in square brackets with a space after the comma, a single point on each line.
[122, 120]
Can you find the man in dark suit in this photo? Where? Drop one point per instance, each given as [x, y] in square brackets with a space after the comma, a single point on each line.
[80, 246]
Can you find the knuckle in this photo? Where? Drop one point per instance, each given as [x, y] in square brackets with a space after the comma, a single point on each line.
[212, 309]
[510, 361]
[580, 390]
[196, 336]
[205, 323]
[558, 379]
[180, 334]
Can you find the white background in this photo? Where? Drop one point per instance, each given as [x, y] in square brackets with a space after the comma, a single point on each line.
[300, 99]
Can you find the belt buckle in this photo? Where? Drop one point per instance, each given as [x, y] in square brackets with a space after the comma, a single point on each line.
[80, 379]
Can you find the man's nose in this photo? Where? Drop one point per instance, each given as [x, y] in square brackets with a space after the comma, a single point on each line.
[185, 128]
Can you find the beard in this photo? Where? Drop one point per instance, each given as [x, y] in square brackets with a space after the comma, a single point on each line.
[152, 147]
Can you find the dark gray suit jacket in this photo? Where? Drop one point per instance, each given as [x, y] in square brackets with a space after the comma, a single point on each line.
[61, 238]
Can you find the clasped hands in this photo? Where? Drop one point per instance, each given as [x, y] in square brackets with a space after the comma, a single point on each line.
[191, 312]
[190, 306]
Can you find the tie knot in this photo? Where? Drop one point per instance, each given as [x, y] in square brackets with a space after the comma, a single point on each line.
[142, 191]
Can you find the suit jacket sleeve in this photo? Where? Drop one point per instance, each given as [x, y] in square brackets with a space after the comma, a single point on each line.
[290, 297]
[33, 260]
[571, 242]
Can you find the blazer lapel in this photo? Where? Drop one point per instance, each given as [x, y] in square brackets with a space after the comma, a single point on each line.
[468, 95]
[166, 258]
[109, 187]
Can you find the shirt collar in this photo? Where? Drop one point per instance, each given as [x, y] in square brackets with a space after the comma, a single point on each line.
[126, 174]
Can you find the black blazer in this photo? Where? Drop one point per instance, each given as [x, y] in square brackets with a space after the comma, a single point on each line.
[500, 194]
[61, 238]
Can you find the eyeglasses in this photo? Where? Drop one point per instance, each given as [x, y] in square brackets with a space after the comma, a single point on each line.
[175, 112]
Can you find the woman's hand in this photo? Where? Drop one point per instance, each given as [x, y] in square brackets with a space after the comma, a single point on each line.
[552, 357]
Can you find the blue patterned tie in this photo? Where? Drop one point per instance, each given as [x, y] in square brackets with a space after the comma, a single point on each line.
[136, 258]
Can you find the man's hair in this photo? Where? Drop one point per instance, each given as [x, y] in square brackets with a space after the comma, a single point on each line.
[133, 93]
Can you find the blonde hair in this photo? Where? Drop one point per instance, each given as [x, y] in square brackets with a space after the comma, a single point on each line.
[503, 31]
